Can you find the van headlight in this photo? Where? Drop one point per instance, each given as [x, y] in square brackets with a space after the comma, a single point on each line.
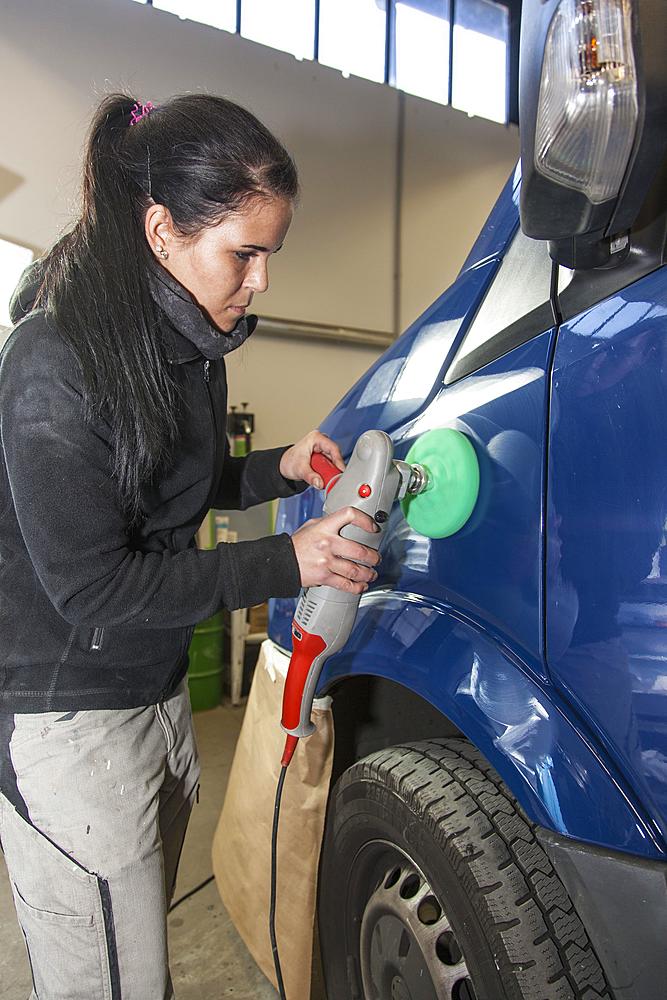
[588, 106]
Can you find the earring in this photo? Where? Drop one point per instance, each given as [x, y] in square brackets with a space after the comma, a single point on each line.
[161, 252]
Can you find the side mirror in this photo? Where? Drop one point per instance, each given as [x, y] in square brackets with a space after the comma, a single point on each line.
[593, 122]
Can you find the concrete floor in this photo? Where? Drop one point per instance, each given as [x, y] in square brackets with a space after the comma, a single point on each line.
[208, 958]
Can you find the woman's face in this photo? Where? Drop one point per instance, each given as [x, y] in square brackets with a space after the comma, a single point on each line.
[223, 266]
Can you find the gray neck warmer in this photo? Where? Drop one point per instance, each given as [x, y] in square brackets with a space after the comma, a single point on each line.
[187, 319]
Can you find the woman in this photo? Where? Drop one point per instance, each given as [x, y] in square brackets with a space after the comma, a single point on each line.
[112, 419]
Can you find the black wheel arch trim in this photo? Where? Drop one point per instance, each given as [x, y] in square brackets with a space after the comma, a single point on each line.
[622, 902]
[372, 713]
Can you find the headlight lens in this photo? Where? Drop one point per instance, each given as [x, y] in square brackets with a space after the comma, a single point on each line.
[588, 108]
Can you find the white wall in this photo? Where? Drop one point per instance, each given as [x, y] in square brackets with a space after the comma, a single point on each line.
[454, 169]
[58, 56]
[291, 385]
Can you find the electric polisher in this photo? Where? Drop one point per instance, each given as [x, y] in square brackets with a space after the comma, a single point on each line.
[437, 487]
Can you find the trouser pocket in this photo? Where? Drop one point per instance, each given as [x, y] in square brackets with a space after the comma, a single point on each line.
[61, 908]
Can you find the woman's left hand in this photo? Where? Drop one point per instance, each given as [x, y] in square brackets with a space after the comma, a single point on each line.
[295, 463]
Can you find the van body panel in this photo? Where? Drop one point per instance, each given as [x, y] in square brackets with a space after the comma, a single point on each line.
[520, 725]
[607, 503]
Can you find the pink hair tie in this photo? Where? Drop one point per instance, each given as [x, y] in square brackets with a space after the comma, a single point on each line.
[140, 111]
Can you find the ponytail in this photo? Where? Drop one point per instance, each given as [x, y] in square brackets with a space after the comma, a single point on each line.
[96, 290]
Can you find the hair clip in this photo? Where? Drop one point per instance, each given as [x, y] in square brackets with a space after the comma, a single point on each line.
[140, 111]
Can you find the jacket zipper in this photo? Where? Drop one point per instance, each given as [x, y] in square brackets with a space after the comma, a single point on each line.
[206, 370]
[211, 407]
[98, 636]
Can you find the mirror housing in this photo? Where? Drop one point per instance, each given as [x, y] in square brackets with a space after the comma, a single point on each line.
[586, 223]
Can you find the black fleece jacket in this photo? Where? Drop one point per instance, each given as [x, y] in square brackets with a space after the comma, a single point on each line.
[92, 614]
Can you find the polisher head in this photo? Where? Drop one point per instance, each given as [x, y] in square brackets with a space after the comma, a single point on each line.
[449, 498]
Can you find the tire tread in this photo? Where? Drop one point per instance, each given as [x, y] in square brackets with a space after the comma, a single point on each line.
[450, 786]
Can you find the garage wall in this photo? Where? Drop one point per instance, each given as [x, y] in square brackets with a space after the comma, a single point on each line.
[292, 385]
[340, 260]
[453, 170]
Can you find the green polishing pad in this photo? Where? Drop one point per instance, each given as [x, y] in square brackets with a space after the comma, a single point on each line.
[453, 483]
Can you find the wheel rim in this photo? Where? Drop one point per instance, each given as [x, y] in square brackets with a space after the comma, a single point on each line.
[408, 948]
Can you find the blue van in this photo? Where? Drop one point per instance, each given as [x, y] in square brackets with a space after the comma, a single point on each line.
[497, 829]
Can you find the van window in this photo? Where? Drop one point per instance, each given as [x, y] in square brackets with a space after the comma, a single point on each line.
[515, 308]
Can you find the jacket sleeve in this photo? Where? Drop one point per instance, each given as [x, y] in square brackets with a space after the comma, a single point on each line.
[58, 469]
[254, 479]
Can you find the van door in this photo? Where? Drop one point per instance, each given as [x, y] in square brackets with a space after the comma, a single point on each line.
[607, 503]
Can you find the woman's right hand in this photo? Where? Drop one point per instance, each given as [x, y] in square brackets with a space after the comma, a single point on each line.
[325, 558]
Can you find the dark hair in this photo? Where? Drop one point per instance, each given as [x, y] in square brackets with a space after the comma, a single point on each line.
[202, 157]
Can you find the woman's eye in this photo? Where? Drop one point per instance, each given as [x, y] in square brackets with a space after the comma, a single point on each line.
[242, 256]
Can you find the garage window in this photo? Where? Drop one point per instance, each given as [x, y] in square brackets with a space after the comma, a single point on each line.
[480, 64]
[422, 48]
[288, 25]
[353, 37]
[459, 52]
[217, 13]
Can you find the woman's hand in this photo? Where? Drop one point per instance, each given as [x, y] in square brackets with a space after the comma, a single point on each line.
[325, 558]
[295, 462]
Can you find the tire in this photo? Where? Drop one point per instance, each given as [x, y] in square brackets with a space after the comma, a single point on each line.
[434, 887]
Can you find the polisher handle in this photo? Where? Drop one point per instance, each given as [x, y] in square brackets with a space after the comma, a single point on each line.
[320, 464]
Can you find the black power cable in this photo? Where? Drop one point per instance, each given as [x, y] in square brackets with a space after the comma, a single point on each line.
[201, 885]
[274, 876]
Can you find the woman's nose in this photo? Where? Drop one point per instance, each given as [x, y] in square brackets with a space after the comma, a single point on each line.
[258, 276]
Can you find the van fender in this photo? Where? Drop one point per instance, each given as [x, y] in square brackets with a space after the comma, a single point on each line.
[414, 668]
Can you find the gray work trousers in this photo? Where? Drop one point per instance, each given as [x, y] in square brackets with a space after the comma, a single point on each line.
[92, 831]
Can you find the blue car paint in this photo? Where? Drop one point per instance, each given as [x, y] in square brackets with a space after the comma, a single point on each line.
[379, 399]
[409, 374]
[607, 502]
[481, 660]
[517, 724]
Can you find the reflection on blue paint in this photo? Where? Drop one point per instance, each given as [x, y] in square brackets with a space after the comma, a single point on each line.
[606, 553]
[523, 731]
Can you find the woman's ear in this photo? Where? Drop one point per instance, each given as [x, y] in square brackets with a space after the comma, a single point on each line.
[159, 230]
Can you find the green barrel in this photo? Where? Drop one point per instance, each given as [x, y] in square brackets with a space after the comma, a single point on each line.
[205, 669]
